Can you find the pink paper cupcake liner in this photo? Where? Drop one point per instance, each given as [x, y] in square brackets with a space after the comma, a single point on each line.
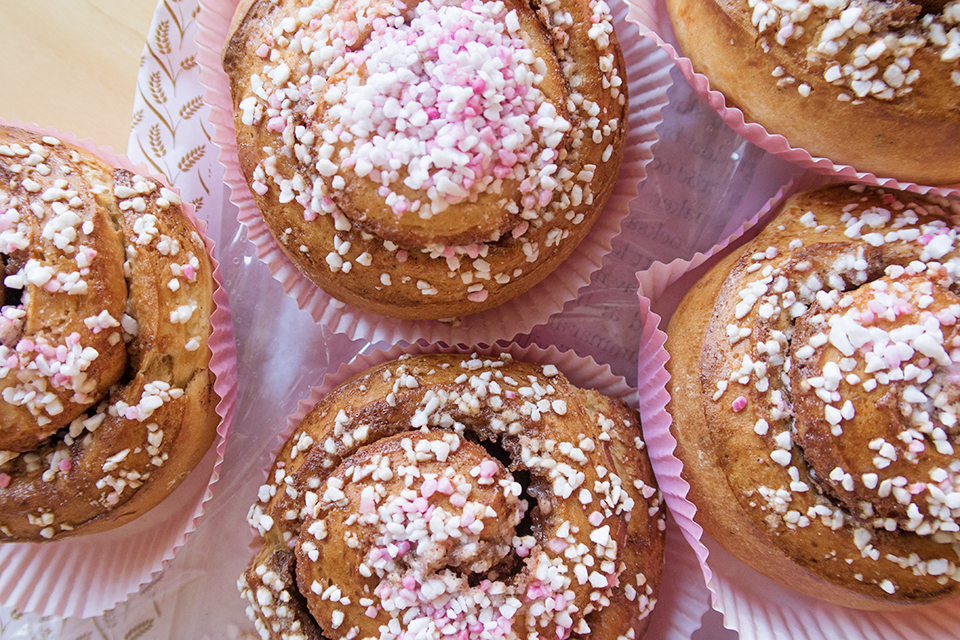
[87, 575]
[654, 23]
[683, 597]
[648, 81]
[751, 604]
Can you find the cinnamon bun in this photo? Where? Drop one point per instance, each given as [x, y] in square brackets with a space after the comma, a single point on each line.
[814, 397]
[428, 159]
[450, 496]
[864, 83]
[106, 399]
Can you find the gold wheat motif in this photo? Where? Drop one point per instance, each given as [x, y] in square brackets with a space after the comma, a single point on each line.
[188, 63]
[139, 630]
[191, 107]
[156, 88]
[156, 143]
[162, 37]
[191, 158]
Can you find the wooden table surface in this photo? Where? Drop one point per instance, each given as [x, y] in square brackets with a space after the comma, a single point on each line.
[72, 64]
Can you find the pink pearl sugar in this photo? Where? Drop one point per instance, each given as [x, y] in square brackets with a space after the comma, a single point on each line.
[488, 468]
[428, 488]
[445, 487]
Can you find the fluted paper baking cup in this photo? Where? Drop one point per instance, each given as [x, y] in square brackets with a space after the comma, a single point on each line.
[752, 605]
[648, 80]
[683, 597]
[654, 23]
[87, 575]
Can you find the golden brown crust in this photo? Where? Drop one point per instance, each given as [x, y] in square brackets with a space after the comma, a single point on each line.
[437, 446]
[748, 380]
[142, 431]
[39, 316]
[354, 232]
[906, 136]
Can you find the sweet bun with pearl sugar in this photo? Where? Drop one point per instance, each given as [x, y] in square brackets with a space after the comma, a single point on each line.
[873, 85]
[106, 398]
[458, 496]
[429, 159]
[813, 396]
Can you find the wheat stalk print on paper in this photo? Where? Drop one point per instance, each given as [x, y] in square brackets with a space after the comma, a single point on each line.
[169, 131]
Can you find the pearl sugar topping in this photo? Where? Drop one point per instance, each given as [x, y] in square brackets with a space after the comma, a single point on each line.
[452, 97]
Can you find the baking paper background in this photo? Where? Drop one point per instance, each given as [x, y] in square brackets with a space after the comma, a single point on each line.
[703, 182]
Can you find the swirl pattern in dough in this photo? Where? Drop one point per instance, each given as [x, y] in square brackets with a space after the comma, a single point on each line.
[428, 159]
[450, 496]
[814, 397]
[107, 399]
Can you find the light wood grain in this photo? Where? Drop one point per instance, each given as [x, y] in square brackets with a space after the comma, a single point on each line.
[72, 64]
